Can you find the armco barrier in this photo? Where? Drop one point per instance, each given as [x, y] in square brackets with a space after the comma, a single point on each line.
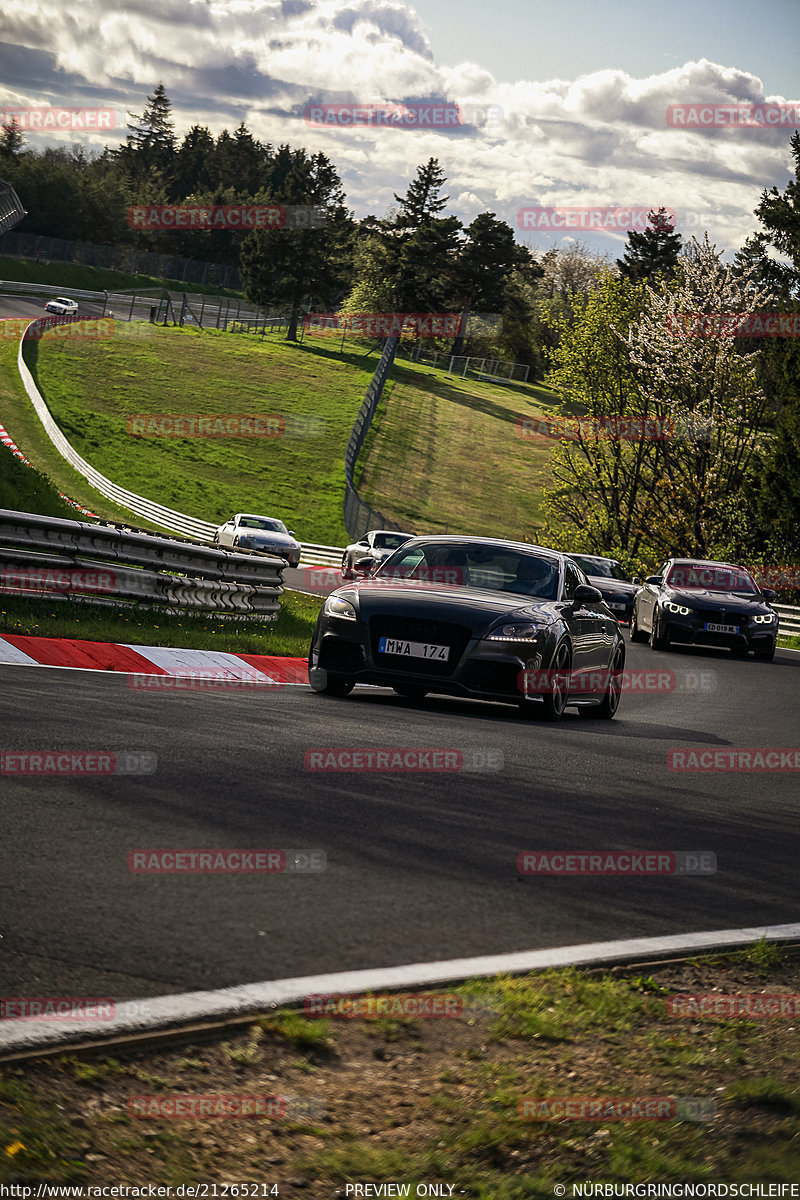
[788, 620]
[78, 559]
[359, 516]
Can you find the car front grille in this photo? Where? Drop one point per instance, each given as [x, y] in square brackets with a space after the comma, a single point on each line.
[413, 629]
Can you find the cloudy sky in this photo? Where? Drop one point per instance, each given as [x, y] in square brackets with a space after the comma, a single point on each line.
[562, 103]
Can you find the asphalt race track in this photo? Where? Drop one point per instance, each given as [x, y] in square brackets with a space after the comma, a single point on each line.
[420, 867]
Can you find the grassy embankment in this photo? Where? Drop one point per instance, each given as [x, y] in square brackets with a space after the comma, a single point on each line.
[437, 1101]
[93, 279]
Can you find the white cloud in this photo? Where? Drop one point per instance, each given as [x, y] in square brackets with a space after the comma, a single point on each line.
[600, 139]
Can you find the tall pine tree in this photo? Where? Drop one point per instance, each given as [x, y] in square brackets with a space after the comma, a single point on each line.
[652, 253]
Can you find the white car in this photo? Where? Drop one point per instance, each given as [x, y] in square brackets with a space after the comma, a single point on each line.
[247, 531]
[378, 544]
[62, 306]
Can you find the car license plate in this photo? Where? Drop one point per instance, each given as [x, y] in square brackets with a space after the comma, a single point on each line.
[616, 607]
[388, 645]
[711, 627]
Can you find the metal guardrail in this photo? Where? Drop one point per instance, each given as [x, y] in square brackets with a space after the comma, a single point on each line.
[788, 620]
[46, 555]
[359, 516]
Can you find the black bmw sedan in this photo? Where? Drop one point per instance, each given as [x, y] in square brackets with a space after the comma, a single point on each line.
[475, 617]
[710, 603]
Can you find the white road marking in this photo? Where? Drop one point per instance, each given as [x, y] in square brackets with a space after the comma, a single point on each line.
[162, 1012]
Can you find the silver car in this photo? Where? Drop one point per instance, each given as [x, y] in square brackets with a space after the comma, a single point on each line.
[378, 544]
[247, 531]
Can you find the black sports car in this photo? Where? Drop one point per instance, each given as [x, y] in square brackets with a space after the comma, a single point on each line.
[607, 575]
[712, 603]
[477, 617]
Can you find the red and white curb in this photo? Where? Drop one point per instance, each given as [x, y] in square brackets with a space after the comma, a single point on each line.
[132, 1017]
[23, 650]
[8, 441]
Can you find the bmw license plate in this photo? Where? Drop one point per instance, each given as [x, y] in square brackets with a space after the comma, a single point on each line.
[616, 607]
[711, 627]
[387, 645]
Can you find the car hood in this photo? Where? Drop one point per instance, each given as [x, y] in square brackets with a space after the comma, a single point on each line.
[706, 598]
[262, 538]
[475, 607]
[616, 588]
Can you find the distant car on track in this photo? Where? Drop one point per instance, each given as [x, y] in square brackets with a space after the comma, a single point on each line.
[247, 531]
[378, 544]
[607, 574]
[693, 601]
[474, 617]
[62, 306]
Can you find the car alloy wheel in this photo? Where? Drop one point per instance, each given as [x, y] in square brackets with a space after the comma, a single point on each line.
[658, 640]
[322, 682]
[554, 702]
[610, 702]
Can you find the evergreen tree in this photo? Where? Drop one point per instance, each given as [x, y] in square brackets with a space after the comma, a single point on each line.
[652, 253]
[150, 144]
[422, 201]
[11, 140]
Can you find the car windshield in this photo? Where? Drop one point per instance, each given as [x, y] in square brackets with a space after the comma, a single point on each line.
[460, 564]
[711, 577]
[607, 568]
[389, 541]
[271, 524]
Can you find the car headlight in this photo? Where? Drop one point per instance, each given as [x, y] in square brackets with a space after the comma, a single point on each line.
[764, 618]
[671, 606]
[519, 631]
[337, 606]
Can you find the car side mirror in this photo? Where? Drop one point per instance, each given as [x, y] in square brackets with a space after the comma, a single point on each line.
[637, 581]
[770, 593]
[364, 566]
[292, 533]
[654, 580]
[586, 594]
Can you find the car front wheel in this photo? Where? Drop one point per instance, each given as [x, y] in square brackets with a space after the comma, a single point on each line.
[659, 640]
[554, 701]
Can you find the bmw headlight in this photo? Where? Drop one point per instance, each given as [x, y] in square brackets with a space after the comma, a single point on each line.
[672, 607]
[764, 618]
[519, 631]
[337, 606]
